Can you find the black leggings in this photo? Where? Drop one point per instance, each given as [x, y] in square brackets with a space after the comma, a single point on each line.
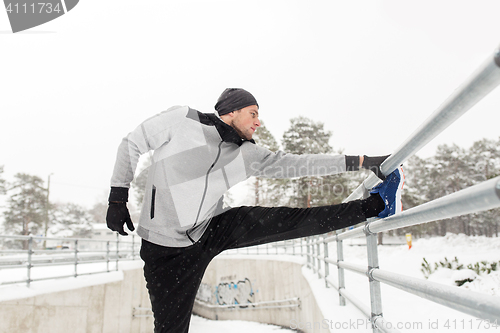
[174, 274]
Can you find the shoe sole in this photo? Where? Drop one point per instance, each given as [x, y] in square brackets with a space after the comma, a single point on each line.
[399, 203]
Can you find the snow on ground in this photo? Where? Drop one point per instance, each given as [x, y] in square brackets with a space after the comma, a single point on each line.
[202, 325]
[407, 312]
[468, 250]
[410, 313]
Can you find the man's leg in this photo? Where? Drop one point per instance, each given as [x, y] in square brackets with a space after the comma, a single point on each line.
[173, 276]
[247, 226]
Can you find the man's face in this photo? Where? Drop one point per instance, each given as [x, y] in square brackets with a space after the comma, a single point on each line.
[246, 121]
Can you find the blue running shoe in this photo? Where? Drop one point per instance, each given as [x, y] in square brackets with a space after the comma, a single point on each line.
[390, 191]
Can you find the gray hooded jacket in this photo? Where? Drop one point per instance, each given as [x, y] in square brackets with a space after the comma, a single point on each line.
[197, 158]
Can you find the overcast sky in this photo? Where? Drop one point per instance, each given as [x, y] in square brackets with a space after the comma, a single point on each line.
[372, 71]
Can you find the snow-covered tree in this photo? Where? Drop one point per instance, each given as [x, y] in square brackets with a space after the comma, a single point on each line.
[484, 157]
[25, 211]
[415, 190]
[26, 205]
[306, 136]
[485, 160]
[98, 212]
[70, 220]
[267, 191]
[3, 184]
[452, 169]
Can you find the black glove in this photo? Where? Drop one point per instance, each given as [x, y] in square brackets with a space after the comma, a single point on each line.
[117, 216]
[373, 163]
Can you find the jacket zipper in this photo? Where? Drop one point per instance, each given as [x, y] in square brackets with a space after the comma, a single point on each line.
[204, 191]
[153, 195]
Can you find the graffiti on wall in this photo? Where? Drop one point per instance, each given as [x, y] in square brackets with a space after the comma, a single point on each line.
[230, 293]
[204, 293]
[227, 293]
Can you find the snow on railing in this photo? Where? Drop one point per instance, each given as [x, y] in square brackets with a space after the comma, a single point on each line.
[70, 254]
[474, 199]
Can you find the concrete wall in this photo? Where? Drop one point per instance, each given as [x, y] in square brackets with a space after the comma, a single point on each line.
[107, 305]
[100, 308]
[257, 280]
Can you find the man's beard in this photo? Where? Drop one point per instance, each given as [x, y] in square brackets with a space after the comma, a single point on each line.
[240, 133]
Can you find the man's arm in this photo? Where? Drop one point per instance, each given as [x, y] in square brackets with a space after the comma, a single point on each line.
[264, 163]
[150, 135]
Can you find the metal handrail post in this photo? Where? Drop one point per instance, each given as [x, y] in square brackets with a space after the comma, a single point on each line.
[327, 265]
[308, 250]
[133, 247]
[107, 256]
[311, 246]
[313, 253]
[76, 257]
[340, 270]
[117, 250]
[375, 293]
[30, 252]
[317, 258]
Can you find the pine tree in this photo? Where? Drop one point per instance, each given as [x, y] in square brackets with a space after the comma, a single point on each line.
[70, 220]
[3, 184]
[452, 169]
[415, 191]
[98, 212]
[448, 173]
[264, 138]
[306, 136]
[267, 190]
[26, 206]
[484, 159]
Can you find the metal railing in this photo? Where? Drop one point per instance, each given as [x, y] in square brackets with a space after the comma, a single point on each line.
[276, 304]
[474, 199]
[26, 257]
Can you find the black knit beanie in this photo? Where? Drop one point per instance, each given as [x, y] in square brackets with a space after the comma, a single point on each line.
[233, 99]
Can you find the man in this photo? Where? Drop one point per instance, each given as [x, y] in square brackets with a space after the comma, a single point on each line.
[197, 158]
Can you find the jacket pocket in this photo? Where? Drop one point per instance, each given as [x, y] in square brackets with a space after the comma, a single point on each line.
[153, 198]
